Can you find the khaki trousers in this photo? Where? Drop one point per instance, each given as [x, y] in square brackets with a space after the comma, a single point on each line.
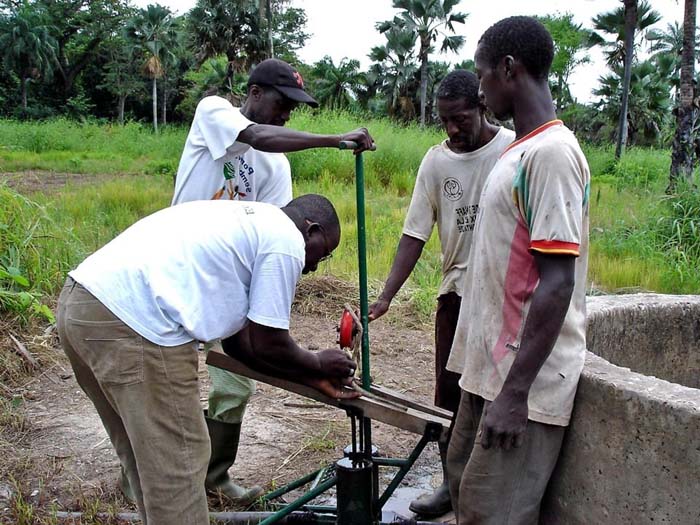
[493, 486]
[148, 399]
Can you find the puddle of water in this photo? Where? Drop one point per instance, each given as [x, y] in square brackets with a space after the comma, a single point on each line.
[399, 501]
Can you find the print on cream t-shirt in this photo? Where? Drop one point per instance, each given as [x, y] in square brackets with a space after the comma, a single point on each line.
[446, 192]
[214, 165]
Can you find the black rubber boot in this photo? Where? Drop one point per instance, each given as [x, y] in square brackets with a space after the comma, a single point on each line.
[438, 503]
[224, 447]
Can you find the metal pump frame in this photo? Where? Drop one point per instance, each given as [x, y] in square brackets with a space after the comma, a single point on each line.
[361, 448]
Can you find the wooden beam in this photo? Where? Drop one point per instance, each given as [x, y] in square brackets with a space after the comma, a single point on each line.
[385, 406]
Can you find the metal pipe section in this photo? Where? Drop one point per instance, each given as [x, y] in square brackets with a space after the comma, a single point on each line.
[300, 502]
[354, 491]
[240, 518]
[218, 518]
[362, 260]
[291, 486]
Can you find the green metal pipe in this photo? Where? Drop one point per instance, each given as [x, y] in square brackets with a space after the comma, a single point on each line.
[390, 462]
[362, 261]
[291, 486]
[303, 500]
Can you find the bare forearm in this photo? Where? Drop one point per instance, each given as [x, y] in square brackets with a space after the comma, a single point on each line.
[276, 139]
[407, 255]
[280, 357]
[287, 357]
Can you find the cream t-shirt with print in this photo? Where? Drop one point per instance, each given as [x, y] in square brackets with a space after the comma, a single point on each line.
[215, 165]
[535, 200]
[446, 192]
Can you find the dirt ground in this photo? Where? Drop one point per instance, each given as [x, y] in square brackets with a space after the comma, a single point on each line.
[71, 463]
[32, 181]
[284, 435]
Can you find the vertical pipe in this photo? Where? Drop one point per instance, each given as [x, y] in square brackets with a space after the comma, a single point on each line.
[366, 426]
[362, 260]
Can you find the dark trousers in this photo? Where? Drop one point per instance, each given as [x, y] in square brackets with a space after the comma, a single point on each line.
[447, 391]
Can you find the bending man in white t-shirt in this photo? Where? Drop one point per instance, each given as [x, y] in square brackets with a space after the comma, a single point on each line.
[446, 192]
[229, 155]
[131, 315]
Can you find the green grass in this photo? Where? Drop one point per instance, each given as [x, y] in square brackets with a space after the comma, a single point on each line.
[73, 147]
[632, 224]
[394, 164]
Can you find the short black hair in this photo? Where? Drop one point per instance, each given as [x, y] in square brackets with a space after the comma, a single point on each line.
[316, 208]
[460, 83]
[522, 37]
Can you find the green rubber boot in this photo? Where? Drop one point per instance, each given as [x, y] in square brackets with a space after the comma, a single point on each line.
[126, 489]
[224, 447]
[438, 503]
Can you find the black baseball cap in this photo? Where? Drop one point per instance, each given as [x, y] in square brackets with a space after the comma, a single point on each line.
[284, 78]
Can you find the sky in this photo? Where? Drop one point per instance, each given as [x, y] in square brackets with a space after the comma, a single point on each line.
[346, 29]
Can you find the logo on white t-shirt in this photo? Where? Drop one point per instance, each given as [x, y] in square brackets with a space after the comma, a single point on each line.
[452, 189]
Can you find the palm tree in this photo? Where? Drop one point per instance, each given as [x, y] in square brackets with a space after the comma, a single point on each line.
[427, 19]
[682, 157]
[28, 49]
[669, 45]
[151, 29]
[336, 86]
[266, 17]
[649, 98]
[630, 24]
[623, 22]
[612, 24]
[395, 65]
[227, 27]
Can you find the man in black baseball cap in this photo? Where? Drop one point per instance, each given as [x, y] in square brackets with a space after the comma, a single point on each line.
[284, 78]
[236, 153]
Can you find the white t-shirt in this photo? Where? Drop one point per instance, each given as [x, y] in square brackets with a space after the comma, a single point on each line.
[447, 192]
[198, 270]
[536, 199]
[215, 166]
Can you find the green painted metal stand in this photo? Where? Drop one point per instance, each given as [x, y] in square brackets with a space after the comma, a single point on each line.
[326, 478]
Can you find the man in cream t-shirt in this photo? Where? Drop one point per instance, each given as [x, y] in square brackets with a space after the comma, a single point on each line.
[446, 193]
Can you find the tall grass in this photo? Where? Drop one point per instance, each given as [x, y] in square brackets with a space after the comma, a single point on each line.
[639, 239]
[45, 237]
[67, 146]
[74, 147]
[394, 163]
[34, 253]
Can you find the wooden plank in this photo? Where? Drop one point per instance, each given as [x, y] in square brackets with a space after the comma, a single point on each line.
[403, 399]
[390, 411]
